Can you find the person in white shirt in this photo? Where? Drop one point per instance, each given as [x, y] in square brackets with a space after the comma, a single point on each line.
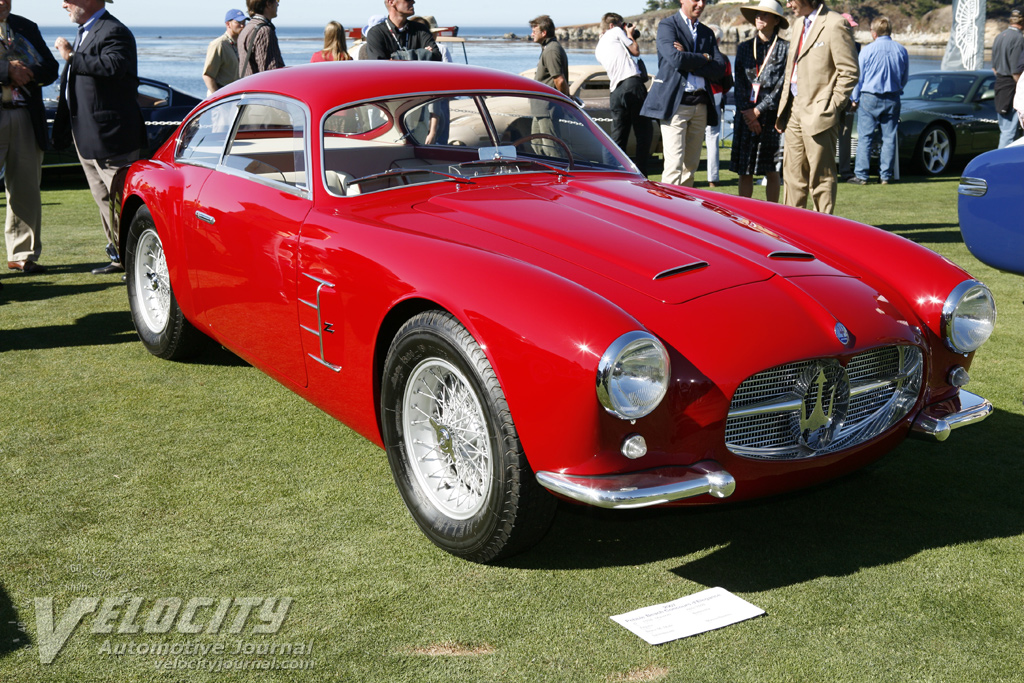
[616, 51]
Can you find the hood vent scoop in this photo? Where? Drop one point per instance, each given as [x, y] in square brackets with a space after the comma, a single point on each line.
[791, 256]
[679, 270]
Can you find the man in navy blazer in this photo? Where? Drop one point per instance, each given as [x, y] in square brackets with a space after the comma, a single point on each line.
[99, 108]
[680, 97]
[26, 65]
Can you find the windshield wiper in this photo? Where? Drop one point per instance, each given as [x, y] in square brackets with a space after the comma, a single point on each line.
[515, 162]
[395, 172]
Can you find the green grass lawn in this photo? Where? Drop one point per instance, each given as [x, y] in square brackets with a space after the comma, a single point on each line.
[124, 475]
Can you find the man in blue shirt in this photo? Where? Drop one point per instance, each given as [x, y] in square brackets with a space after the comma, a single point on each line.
[884, 67]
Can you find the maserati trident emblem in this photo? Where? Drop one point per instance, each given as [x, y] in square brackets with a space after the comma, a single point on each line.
[824, 406]
[842, 334]
[825, 389]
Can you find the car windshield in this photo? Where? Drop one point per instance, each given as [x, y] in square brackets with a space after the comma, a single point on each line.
[938, 87]
[455, 138]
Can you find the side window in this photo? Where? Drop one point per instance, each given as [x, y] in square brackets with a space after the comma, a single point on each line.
[987, 89]
[597, 87]
[202, 139]
[365, 121]
[446, 121]
[153, 96]
[270, 142]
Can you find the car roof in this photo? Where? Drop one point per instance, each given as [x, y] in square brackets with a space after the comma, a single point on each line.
[325, 85]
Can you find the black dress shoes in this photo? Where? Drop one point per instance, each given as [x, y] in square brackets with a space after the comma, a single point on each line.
[27, 267]
[114, 267]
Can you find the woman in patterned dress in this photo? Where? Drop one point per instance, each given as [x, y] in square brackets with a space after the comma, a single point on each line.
[760, 76]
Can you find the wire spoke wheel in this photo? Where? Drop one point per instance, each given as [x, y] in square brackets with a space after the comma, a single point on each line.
[453, 448]
[446, 438]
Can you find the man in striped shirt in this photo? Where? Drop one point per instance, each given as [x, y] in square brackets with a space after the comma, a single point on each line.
[257, 44]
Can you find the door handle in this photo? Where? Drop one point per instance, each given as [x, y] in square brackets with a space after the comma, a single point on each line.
[206, 218]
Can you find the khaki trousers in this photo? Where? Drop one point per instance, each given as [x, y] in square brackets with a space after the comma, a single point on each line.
[23, 172]
[682, 138]
[809, 166]
[99, 173]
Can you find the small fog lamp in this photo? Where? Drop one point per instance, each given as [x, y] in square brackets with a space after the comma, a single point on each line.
[634, 446]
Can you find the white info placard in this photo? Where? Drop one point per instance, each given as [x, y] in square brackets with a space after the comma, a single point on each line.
[704, 611]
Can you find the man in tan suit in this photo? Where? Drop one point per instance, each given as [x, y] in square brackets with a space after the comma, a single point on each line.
[822, 70]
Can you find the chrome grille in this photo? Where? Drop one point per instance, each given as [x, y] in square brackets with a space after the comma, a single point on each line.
[781, 413]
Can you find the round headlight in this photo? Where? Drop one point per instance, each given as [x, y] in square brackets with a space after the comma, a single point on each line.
[968, 316]
[633, 375]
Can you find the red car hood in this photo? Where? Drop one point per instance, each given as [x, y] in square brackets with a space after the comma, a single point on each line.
[663, 243]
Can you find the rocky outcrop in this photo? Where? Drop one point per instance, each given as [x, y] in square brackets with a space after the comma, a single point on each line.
[931, 30]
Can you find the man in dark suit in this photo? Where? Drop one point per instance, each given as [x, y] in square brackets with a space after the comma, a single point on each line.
[26, 65]
[680, 97]
[99, 108]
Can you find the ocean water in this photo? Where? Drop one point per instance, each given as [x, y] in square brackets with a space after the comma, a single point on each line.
[175, 55]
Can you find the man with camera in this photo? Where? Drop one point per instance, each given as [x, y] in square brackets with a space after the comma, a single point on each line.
[616, 51]
[398, 38]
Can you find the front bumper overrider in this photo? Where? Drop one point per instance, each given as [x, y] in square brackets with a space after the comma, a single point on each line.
[935, 422]
[642, 489]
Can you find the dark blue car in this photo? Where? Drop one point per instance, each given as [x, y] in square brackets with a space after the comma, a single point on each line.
[990, 208]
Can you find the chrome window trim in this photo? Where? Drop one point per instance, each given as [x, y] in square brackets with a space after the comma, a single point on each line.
[303, 191]
[485, 115]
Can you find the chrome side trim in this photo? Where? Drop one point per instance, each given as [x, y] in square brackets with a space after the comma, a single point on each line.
[972, 187]
[642, 489]
[935, 422]
[322, 359]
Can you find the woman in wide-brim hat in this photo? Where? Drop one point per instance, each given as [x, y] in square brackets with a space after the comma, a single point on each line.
[760, 76]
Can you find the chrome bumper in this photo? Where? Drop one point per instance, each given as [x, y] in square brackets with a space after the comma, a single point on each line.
[642, 489]
[936, 421]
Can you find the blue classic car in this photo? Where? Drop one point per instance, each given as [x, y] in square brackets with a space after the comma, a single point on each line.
[989, 208]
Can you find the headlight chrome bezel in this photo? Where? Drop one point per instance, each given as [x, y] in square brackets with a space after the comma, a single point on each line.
[609, 377]
[956, 338]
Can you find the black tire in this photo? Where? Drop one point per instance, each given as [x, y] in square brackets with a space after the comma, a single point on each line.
[445, 419]
[935, 149]
[161, 325]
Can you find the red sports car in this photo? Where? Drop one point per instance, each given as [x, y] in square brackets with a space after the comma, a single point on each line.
[459, 265]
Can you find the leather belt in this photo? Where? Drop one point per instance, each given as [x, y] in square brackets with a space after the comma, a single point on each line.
[695, 97]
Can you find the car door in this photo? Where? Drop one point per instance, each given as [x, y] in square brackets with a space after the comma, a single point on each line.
[244, 246]
[984, 128]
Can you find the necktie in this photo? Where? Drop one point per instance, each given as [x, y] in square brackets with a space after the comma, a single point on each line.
[800, 46]
[78, 40]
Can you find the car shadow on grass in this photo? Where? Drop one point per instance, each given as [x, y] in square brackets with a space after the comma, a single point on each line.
[12, 637]
[93, 329]
[937, 233]
[919, 497]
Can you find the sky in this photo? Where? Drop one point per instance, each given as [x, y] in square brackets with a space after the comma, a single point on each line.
[348, 12]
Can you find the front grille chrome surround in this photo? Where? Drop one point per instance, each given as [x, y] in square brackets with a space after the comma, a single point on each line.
[819, 406]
